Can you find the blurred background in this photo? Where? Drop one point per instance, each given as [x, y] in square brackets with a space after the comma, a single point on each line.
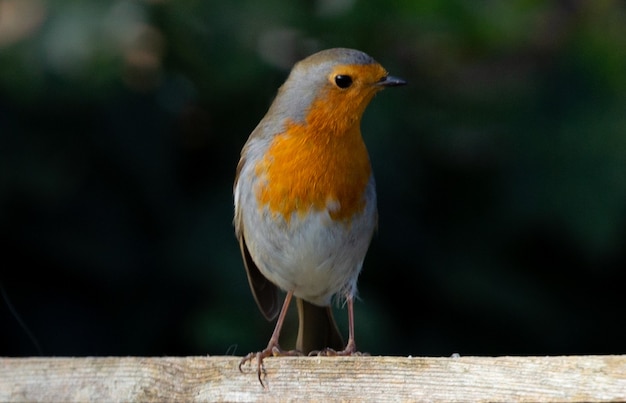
[501, 173]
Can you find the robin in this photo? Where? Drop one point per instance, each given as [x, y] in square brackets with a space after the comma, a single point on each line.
[305, 198]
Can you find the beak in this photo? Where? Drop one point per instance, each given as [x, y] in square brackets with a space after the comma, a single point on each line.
[391, 81]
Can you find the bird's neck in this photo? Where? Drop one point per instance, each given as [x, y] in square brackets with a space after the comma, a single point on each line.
[335, 114]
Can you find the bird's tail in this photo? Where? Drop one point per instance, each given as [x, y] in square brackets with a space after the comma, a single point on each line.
[317, 329]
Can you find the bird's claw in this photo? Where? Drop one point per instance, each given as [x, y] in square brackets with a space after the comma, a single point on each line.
[269, 351]
[329, 352]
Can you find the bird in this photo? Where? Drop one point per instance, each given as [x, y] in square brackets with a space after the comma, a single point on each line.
[305, 199]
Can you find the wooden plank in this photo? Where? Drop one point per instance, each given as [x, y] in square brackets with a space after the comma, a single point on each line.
[519, 379]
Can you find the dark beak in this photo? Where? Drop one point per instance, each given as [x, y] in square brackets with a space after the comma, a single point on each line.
[391, 81]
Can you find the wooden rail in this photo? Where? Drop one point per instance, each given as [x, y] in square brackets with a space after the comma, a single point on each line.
[479, 379]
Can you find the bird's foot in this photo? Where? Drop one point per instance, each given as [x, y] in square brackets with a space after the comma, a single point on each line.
[272, 350]
[349, 351]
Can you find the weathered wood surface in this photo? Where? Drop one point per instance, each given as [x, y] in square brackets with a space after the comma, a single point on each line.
[520, 379]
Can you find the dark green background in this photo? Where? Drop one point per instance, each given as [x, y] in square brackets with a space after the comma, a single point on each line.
[501, 172]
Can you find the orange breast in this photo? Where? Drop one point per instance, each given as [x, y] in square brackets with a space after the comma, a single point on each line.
[312, 166]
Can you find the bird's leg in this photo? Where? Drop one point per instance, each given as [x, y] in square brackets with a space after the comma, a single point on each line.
[273, 348]
[350, 349]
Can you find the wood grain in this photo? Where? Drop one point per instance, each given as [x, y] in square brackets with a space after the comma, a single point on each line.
[478, 379]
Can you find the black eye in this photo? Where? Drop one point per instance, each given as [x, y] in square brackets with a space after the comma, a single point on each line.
[343, 81]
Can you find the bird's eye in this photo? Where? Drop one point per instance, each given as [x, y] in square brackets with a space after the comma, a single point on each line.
[343, 81]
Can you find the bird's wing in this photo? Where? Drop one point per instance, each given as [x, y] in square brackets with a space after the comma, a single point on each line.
[265, 293]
